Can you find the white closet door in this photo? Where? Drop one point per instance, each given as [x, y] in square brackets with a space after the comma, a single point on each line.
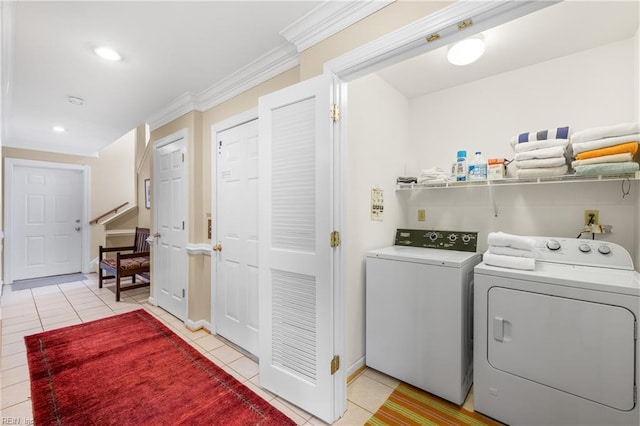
[170, 211]
[295, 271]
[236, 301]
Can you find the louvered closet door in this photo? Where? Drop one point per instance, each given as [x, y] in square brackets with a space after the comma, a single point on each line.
[295, 271]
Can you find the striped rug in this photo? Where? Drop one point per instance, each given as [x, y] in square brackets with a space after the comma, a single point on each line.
[411, 406]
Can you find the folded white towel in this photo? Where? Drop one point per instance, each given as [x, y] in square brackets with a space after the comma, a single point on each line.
[510, 251]
[554, 151]
[595, 133]
[615, 158]
[532, 146]
[502, 239]
[441, 179]
[603, 143]
[541, 163]
[542, 172]
[512, 262]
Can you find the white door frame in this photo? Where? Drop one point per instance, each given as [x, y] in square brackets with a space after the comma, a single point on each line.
[180, 134]
[216, 128]
[10, 164]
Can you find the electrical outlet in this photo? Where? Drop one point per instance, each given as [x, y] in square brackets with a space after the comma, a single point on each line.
[422, 215]
[591, 217]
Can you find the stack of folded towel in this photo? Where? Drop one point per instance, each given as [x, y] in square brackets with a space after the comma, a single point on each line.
[542, 153]
[434, 175]
[607, 150]
[510, 251]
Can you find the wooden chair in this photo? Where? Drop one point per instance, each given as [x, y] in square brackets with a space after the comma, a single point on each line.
[127, 265]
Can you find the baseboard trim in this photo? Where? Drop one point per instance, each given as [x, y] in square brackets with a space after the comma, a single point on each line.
[356, 369]
[152, 301]
[198, 325]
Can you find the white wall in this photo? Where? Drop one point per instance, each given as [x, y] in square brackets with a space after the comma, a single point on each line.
[377, 153]
[586, 89]
[636, 50]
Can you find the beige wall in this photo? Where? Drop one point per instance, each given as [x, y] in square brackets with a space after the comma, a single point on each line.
[112, 179]
[143, 163]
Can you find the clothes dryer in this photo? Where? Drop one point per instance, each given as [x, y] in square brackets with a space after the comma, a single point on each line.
[419, 310]
[558, 345]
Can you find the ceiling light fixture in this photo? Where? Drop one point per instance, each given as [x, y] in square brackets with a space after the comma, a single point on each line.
[466, 51]
[107, 53]
[59, 129]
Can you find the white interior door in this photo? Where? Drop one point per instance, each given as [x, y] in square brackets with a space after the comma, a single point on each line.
[46, 223]
[236, 298]
[296, 260]
[169, 201]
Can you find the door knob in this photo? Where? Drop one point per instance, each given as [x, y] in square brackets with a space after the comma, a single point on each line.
[217, 247]
[156, 235]
[78, 228]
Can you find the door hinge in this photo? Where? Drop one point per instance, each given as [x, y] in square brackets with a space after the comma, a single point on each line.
[335, 364]
[183, 225]
[334, 239]
[183, 157]
[183, 293]
[335, 113]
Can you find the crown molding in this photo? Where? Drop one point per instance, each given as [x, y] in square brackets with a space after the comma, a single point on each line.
[323, 21]
[182, 105]
[35, 146]
[327, 19]
[275, 62]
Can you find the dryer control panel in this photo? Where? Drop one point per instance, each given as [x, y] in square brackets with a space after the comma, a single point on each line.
[576, 251]
[445, 240]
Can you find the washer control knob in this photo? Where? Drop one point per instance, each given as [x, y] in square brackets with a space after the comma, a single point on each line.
[604, 249]
[466, 238]
[452, 237]
[553, 245]
[433, 236]
[585, 248]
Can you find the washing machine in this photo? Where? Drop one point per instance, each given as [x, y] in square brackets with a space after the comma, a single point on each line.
[419, 310]
[559, 345]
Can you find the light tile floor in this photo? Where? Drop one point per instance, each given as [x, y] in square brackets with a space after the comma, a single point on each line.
[31, 311]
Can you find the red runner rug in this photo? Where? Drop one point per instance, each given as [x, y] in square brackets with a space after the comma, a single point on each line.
[410, 406]
[131, 369]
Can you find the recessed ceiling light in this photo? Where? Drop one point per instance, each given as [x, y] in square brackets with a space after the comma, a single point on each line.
[59, 129]
[466, 51]
[107, 53]
[75, 100]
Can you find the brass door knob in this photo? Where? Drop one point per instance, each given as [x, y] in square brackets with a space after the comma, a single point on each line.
[217, 247]
[156, 235]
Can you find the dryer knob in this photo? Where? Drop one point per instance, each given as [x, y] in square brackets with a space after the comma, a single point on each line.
[604, 249]
[466, 238]
[585, 248]
[553, 245]
[452, 237]
[433, 236]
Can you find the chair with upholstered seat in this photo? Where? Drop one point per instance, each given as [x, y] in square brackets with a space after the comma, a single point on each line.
[137, 262]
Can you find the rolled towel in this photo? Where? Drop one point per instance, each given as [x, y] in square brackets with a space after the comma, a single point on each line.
[629, 147]
[502, 239]
[532, 146]
[542, 172]
[594, 133]
[603, 143]
[615, 158]
[512, 262]
[540, 135]
[510, 251]
[541, 163]
[607, 169]
[554, 151]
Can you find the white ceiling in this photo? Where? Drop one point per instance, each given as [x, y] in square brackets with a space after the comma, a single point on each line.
[555, 31]
[170, 49]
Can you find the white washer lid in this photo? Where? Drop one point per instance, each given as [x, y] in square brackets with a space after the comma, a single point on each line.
[449, 258]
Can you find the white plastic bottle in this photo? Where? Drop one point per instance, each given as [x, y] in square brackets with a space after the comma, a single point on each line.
[461, 166]
[478, 168]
